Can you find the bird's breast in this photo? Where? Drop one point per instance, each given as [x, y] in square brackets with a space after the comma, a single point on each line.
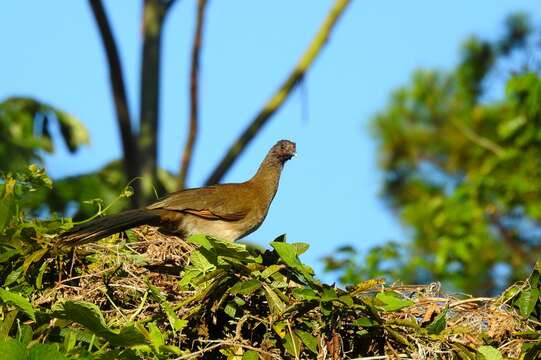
[224, 230]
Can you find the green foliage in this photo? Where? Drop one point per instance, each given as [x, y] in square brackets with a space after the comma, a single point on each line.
[460, 169]
[25, 131]
[25, 134]
[246, 302]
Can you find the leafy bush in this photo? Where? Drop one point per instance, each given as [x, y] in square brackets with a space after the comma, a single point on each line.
[146, 295]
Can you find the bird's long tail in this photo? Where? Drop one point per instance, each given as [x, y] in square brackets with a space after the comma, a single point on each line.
[108, 225]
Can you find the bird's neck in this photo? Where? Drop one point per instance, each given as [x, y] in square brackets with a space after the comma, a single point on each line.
[267, 176]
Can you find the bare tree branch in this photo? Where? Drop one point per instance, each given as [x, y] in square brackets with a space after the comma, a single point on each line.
[129, 145]
[278, 99]
[194, 95]
[154, 12]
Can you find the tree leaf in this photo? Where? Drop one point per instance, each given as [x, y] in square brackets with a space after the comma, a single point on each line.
[245, 287]
[305, 294]
[329, 294]
[490, 353]
[292, 343]
[230, 309]
[155, 335]
[365, 322]
[12, 349]
[19, 301]
[89, 315]
[438, 324]
[45, 352]
[270, 270]
[250, 355]
[276, 304]
[392, 302]
[13, 276]
[288, 254]
[308, 339]
[300, 247]
[527, 300]
[175, 322]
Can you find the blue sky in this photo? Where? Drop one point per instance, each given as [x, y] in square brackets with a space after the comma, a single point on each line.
[329, 194]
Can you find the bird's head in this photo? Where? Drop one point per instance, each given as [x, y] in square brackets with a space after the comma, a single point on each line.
[284, 150]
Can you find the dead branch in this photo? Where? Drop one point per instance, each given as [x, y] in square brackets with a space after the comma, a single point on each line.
[280, 96]
[194, 95]
[129, 146]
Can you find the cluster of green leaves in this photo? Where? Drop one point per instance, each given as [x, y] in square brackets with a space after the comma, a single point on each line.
[25, 131]
[461, 168]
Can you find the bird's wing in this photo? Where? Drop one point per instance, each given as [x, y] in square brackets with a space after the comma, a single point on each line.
[220, 202]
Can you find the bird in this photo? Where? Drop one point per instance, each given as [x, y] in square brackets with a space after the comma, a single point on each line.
[223, 211]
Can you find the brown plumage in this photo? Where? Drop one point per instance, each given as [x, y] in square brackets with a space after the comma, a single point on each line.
[226, 211]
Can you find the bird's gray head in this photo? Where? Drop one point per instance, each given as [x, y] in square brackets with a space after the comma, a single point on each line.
[283, 150]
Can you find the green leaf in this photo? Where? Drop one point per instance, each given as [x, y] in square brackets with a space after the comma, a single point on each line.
[490, 353]
[13, 276]
[24, 333]
[245, 287]
[220, 247]
[270, 270]
[230, 249]
[45, 352]
[12, 349]
[276, 304]
[201, 240]
[308, 339]
[7, 323]
[19, 301]
[527, 300]
[346, 299]
[365, 322]
[175, 322]
[156, 337]
[438, 324]
[329, 294]
[203, 260]
[392, 301]
[73, 131]
[250, 355]
[326, 308]
[36, 256]
[305, 294]
[288, 254]
[230, 309]
[292, 343]
[89, 316]
[300, 247]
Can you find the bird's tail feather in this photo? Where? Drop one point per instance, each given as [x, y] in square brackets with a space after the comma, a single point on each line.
[108, 225]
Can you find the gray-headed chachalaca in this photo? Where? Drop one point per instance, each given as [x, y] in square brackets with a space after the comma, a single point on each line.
[226, 211]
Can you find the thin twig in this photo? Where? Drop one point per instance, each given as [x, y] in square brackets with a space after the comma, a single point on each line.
[233, 343]
[129, 145]
[280, 96]
[292, 340]
[194, 95]
[224, 343]
[382, 357]
[478, 139]
[199, 352]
